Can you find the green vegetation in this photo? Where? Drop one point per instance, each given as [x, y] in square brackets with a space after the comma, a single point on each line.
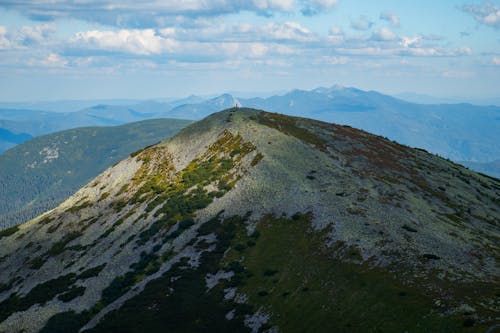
[326, 294]
[83, 153]
[182, 302]
[44, 292]
[72, 293]
[148, 264]
[9, 231]
[60, 246]
[182, 197]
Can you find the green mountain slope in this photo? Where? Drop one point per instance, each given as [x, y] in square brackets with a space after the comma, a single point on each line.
[251, 222]
[37, 175]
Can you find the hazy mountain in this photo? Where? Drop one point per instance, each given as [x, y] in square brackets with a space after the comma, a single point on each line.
[461, 132]
[426, 99]
[65, 105]
[252, 221]
[37, 175]
[202, 109]
[456, 131]
[9, 139]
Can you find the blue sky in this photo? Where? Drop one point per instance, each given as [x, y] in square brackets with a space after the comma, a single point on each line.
[69, 49]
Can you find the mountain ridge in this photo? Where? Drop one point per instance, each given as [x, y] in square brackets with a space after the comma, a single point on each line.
[221, 218]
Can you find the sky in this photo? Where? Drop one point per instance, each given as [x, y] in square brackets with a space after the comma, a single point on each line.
[90, 49]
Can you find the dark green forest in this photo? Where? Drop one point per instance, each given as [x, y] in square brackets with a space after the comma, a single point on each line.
[41, 173]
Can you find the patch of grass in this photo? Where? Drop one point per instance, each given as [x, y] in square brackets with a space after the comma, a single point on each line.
[46, 220]
[77, 208]
[103, 196]
[258, 157]
[60, 246]
[71, 294]
[9, 231]
[40, 294]
[37, 262]
[91, 272]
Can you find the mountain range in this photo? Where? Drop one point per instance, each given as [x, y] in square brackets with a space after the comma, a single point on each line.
[39, 174]
[460, 132]
[249, 221]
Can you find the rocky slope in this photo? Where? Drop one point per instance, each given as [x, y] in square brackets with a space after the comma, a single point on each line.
[252, 221]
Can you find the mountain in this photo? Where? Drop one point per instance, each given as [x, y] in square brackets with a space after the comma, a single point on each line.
[461, 132]
[202, 109]
[39, 122]
[9, 139]
[426, 99]
[37, 175]
[65, 105]
[254, 221]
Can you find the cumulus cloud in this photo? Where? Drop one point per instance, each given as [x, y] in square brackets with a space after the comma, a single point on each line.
[313, 7]
[487, 13]
[4, 41]
[155, 14]
[362, 23]
[36, 34]
[140, 42]
[287, 32]
[163, 44]
[495, 61]
[383, 34]
[391, 18]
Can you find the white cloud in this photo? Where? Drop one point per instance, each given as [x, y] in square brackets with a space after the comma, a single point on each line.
[155, 44]
[157, 14]
[362, 23]
[52, 60]
[287, 31]
[488, 13]
[410, 41]
[36, 34]
[141, 42]
[383, 34]
[335, 31]
[496, 61]
[391, 18]
[4, 41]
[329, 60]
[312, 7]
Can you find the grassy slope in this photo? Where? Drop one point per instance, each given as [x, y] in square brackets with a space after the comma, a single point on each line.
[31, 186]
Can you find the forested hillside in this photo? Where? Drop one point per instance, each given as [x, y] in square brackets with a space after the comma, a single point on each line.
[37, 175]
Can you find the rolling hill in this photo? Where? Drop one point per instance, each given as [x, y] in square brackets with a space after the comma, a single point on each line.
[37, 175]
[9, 139]
[249, 221]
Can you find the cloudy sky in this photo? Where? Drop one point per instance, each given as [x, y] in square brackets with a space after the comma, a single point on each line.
[79, 49]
